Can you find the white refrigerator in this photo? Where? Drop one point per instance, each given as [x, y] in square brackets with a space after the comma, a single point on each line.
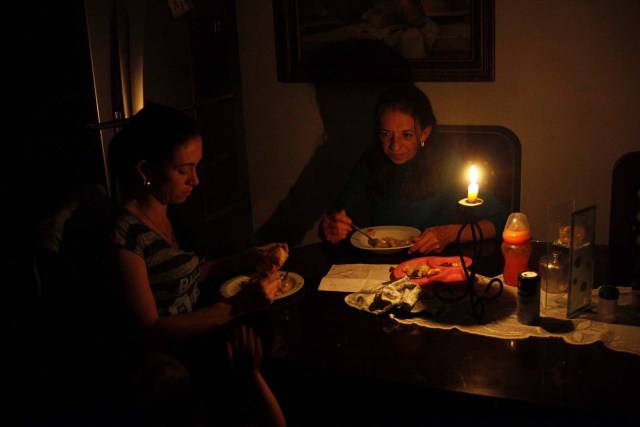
[184, 54]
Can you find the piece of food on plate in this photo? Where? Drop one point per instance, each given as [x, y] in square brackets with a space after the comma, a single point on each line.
[420, 270]
[284, 286]
[451, 264]
[275, 256]
[391, 242]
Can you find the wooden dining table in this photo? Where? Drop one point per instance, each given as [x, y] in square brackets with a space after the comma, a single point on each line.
[330, 364]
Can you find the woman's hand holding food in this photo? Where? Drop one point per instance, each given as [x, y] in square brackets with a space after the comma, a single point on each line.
[336, 226]
[434, 239]
[264, 286]
[271, 255]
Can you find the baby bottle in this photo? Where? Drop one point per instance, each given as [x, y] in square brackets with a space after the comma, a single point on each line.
[516, 247]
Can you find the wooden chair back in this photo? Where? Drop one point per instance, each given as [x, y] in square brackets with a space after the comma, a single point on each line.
[495, 150]
[624, 220]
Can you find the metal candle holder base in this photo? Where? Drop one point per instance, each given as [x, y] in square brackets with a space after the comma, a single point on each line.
[477, 296]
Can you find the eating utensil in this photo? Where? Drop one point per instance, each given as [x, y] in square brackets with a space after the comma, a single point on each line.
[372, 241]
[283, 277]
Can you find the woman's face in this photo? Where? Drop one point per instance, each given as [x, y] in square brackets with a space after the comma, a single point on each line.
[177, 176]
[400, 135]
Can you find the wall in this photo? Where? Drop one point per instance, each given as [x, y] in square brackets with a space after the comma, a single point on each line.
[567, 84]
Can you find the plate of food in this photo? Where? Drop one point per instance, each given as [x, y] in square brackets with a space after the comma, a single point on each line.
[391, 238]
[273, 257]
[289, 285]
[429, 269]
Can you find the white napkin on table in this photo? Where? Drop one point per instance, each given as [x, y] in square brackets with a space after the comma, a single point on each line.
[355, 277]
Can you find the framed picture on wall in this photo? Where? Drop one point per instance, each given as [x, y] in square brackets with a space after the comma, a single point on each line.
[421, 40]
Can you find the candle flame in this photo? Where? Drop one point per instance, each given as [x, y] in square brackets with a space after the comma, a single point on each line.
[472, 194]
[473, 174]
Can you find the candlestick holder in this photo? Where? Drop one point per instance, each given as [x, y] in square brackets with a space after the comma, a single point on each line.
[477, 295]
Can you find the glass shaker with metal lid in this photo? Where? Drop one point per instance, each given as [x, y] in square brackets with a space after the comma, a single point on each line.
[554, 273]
[554, 280]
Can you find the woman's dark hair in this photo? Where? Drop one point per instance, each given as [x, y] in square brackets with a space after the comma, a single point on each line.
[152, 134]
[408, 99]
[424, 174]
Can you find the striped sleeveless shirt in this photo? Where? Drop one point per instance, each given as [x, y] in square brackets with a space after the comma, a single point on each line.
[173, 273]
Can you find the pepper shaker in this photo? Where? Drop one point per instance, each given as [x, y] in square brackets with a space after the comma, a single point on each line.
[528, 309]
[608, 302]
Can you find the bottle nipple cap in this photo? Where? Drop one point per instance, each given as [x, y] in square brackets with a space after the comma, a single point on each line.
[516, 230]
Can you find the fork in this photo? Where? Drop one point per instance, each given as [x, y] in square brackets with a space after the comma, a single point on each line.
[372, 242]
[283, 277]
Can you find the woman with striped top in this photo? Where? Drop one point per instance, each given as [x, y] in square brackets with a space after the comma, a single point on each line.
[157, 271]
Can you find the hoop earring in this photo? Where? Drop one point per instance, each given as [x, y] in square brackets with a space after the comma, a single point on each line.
[146, 183]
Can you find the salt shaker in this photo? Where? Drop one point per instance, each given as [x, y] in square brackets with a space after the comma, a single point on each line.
[555, 273]
[608, 302]
[554, 280]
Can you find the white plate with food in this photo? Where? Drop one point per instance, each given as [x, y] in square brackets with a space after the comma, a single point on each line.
[391, 238]
[290, 285]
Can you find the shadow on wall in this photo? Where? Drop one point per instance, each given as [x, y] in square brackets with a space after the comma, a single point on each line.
[346, 103]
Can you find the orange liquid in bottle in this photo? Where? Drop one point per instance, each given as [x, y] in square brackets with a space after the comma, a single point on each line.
[516, 260]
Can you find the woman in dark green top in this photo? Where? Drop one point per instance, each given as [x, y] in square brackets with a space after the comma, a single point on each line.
[408, 181]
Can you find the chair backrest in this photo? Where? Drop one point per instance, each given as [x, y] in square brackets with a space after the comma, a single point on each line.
[70, 249]
[494, 149]
[624, 220]
[78, 305]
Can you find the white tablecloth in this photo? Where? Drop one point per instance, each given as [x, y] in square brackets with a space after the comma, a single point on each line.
[499, 320]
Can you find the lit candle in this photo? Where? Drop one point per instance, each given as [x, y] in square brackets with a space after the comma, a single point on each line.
[473, 185]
